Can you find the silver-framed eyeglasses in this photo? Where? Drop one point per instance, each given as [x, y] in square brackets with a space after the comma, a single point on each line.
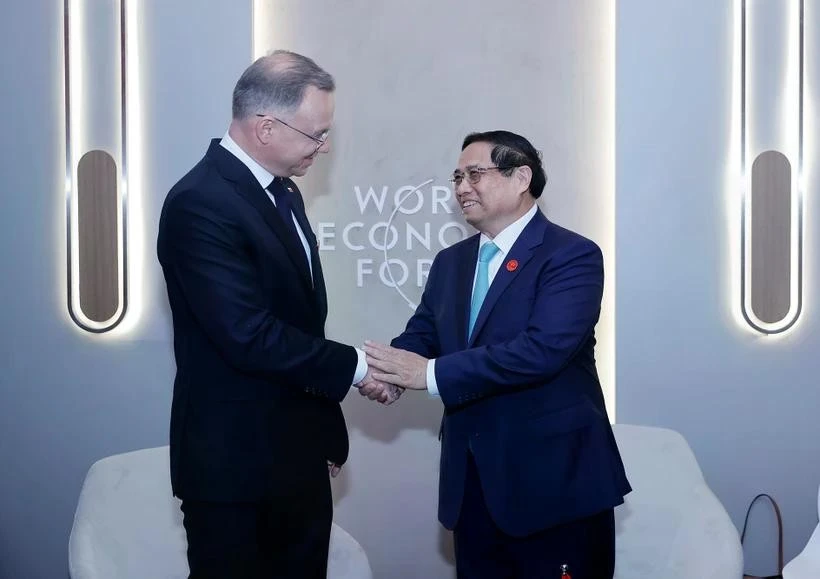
[320, 140]
[473, 174]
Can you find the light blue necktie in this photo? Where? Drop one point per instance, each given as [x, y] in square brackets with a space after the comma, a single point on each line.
[482, 282]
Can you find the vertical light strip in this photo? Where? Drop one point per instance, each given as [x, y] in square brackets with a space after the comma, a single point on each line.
[80, 140]
[260, 20]
[609, 335]
[790, 139]
[253, 29]
[122, 215]
[133, 232]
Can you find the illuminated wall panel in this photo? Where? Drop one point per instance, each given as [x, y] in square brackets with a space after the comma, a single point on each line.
[96, 49]
[770, 44]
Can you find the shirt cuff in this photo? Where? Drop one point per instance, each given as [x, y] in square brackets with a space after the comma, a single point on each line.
[432, 387]
[361, 368]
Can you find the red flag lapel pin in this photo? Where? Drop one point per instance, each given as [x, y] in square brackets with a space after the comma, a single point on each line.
[512, 265]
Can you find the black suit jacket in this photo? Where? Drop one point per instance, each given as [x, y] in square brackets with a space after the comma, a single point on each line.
[257, 389]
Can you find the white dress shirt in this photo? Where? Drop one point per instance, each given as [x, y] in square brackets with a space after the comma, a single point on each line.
[265, 178]
[504, 241]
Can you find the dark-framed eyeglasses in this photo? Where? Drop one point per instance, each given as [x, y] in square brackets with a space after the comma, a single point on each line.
[320, 140]
[473, 174]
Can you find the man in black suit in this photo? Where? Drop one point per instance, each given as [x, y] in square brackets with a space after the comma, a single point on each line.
[255, 421]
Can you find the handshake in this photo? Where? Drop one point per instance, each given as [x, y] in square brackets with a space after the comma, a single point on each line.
[390, 371]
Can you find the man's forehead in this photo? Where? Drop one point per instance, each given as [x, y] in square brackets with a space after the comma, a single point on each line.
[317, 107]
[314, 99]
[475, 155]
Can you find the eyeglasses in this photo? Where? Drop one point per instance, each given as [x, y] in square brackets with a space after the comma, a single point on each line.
[320, 140]
[473, 174]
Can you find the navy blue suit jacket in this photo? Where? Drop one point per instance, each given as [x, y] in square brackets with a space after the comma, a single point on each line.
[522, 393]
[257, 389]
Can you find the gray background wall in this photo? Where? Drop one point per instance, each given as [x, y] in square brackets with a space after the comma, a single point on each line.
[746, 404]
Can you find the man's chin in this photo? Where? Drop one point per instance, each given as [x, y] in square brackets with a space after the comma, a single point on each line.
[302, 168]
[470, 219]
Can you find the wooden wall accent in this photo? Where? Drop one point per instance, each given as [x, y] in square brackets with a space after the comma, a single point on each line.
[771, 234]
[98, 235]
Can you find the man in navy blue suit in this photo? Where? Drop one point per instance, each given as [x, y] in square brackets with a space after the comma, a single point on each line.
[504, 335]
[255, 420]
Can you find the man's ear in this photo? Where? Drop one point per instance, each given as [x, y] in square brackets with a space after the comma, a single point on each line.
[523, 176]
[263, 129]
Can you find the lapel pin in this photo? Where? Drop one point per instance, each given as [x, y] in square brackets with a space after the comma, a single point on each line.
[512, 265]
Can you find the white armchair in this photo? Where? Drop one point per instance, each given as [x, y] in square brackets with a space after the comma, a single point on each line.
[129, 526]
[806, 565]
[671, 525]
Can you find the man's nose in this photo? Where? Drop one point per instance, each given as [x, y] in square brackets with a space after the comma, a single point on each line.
[463, 188]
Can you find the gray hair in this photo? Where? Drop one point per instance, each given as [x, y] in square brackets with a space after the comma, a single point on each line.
[277, 82]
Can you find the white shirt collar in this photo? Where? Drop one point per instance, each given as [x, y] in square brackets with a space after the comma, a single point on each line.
[509, 235]
[262, 175]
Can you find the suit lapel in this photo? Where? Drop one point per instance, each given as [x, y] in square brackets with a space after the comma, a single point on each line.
[249, 188]
[521, 252]
[465, 274]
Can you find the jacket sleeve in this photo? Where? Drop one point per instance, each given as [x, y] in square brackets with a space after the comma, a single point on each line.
[201, 249]
[566, 308]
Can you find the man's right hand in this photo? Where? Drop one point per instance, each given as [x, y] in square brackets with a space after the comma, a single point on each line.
[382, 392]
